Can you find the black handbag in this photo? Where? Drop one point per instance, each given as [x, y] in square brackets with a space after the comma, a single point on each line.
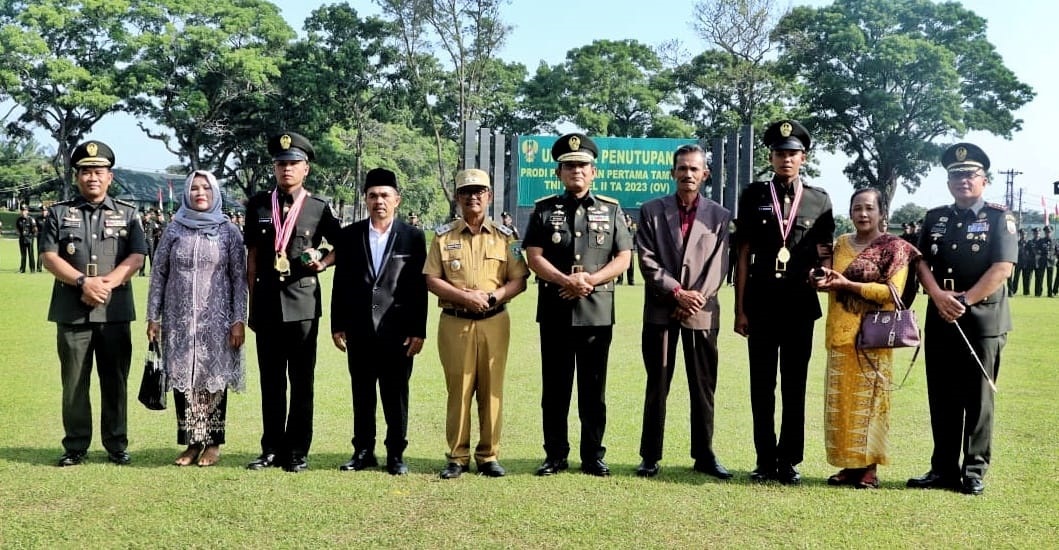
[152, 386]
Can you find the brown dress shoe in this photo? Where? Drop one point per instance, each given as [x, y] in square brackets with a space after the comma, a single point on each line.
[210, 456]
[188, 456]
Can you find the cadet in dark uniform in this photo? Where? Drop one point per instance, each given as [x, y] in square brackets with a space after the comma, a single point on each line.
[41, 222]
[1046, 262]
[784, 229]
[93, 245]
[577, 244]
[1028, 261]
[1013, 282]
[26, 227]
[284, 228]
[969, 248]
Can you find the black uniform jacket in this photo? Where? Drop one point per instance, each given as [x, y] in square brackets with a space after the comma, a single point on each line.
[297, 296]
[770, 291]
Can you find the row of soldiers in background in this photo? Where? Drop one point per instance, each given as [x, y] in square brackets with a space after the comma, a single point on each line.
[1036, 257]
[28, 227]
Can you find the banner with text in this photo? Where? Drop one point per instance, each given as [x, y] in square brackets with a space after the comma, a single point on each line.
[632, 170]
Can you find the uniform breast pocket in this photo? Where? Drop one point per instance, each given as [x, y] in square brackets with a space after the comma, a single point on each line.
[452, 262]
[114, 244]
[70, 243]
[301, 239]
[495, 258]
[600, 239]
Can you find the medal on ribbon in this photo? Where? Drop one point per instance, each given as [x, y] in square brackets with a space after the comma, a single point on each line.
[783, 256]
[284, 230]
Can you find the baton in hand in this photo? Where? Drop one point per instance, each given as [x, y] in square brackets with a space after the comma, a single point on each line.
[975, 355]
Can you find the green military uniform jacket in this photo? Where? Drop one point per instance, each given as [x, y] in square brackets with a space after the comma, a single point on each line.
[582, 234]
[960, 246]
[93, 239]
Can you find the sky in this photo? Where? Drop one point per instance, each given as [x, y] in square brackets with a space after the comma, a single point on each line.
[543, 32]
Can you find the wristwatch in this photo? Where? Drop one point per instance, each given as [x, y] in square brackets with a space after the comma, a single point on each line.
[492, 300]
[962, 298]
[81, 282]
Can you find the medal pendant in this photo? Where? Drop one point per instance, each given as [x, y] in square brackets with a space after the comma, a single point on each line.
[781, 266]
[556, 238]
[70, 249]
[282, 264]
[783, 256]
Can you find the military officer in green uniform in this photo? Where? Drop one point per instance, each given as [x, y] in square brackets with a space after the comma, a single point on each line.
[93, 245]
[969, 249]
[784, 229]
[577, 244]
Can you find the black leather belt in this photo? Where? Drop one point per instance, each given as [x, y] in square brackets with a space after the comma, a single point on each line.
[463, 314]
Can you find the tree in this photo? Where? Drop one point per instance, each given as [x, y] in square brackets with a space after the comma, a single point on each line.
[64, 64]
[469, 32]
[24, 168]
[608, 88]
[887, 80]
[352, 64]
[207, 73]
[910, 212]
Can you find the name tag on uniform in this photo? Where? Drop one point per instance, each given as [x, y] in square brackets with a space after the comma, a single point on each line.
[114, 222]
[265, 220]
[764, 208]
[598, 218]
[72, 224]
[978, 227]
[454, 246]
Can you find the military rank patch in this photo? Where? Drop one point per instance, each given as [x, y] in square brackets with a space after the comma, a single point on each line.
[1010, 223]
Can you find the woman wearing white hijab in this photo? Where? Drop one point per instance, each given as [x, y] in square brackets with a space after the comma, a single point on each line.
[197, 306]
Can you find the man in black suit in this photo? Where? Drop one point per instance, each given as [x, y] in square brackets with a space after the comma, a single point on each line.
[379, 300]
[283, 233]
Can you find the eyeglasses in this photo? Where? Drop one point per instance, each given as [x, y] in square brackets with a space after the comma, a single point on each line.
[964, 174]
[472, 191]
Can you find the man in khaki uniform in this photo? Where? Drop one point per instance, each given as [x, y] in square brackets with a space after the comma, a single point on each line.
[474, 266]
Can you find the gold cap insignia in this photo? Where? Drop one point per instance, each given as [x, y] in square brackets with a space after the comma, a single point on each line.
[575, 143]
[961, 154]
[284, 141]
[786, 129]
[92, 149]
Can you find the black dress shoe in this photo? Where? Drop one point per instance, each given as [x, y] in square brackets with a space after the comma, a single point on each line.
[395, 465]
[712, 467]
[973, 486]
[552, 466]
[932, 480]
[762, 474]
[71, 458]
[648, 469]
[266, 460]
[360, 460]
[491, 469]
[452, 470]
[787, 474]
[298, 463]
[121, 458]
[596, 468]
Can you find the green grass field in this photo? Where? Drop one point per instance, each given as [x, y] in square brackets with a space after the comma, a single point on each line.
[154, 504]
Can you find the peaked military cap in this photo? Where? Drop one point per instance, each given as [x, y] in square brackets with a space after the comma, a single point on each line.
[92, 153]
[380, 177]
[472, 177]
[290, 146]
[787, 135]
[575, 147]
[964, 156]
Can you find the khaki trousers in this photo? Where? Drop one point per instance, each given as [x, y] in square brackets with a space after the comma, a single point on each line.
[474, 356]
